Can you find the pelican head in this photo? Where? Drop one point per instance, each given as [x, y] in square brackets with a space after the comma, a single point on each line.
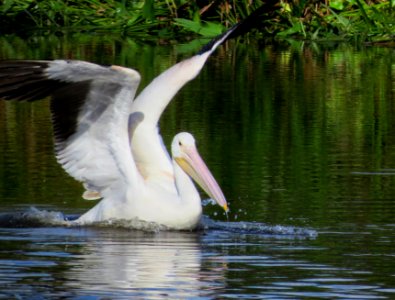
[185, 154]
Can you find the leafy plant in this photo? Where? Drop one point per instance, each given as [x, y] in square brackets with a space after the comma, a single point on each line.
[369, 20]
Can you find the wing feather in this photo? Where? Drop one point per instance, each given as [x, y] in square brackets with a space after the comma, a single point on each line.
[90, 107]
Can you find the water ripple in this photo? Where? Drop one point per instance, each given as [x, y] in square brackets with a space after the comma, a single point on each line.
[38, 218]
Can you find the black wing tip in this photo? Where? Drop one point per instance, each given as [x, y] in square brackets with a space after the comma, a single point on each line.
[211, 44]
[66, 104]
[244, 26]
[23, 80]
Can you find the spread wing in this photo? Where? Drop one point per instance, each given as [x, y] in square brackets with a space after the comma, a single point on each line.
[90, 107]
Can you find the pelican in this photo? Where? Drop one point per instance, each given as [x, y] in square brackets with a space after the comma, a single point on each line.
[109, 140]
[112, 144]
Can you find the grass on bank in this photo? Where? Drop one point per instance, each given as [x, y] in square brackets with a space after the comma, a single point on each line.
[371, 20]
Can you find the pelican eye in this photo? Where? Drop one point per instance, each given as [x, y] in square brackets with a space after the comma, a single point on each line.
[179, 143]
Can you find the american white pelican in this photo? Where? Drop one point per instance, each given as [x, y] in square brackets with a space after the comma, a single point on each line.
[111, 142]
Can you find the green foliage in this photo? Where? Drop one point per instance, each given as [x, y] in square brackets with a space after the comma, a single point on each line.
[205, 29]
[304, 19]
[340, 19]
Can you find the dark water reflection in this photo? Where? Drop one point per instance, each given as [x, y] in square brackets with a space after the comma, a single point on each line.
[296, 135]
[114, 263]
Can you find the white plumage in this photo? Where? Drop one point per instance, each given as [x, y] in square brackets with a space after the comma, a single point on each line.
[109, 140]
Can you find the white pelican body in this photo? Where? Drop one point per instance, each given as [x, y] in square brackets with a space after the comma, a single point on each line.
[110, 141]
[171, 200]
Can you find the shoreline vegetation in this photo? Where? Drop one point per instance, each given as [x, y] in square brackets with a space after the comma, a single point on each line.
[367, 21]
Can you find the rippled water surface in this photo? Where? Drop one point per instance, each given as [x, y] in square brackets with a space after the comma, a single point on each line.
[301, 139]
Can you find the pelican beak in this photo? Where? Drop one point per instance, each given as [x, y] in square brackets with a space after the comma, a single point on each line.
[194, 166]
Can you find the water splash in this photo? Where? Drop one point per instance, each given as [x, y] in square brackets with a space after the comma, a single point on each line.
[133, 224]
[34, 217]
[259, 228]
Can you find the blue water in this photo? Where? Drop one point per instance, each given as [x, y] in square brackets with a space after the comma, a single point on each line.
[107, 262]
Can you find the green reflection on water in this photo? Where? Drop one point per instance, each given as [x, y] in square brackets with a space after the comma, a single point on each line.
[291, 133]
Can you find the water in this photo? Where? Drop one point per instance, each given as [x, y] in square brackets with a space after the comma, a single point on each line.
[301, 139]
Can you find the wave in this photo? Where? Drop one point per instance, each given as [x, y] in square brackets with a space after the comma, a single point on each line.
[34, 217]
